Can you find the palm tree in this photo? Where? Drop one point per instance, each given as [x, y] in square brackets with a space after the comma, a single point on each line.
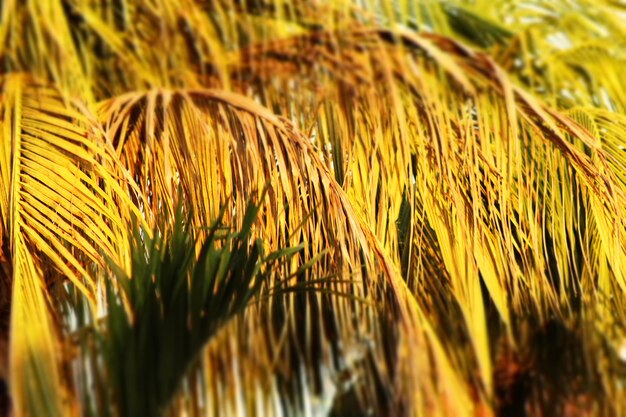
[452, 173]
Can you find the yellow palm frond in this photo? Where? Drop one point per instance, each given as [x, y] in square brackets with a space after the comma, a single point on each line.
[223, 148]
[454, 198]
[60, 218]
[472, 169]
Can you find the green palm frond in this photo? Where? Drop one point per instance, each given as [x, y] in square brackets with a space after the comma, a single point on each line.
[173, 302]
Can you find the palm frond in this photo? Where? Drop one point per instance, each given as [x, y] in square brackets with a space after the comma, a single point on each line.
[36, 37]
[491, 176]
[58, 219]
[222, 148]
[146, 350]
[471, 168]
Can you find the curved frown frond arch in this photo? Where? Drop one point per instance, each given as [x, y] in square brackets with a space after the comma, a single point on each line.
[221, 149]
[496, 189]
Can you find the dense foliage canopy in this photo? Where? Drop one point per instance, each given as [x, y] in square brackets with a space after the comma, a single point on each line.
[292, 207]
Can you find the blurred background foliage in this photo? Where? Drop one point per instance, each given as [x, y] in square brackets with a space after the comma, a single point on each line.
[439, 187]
